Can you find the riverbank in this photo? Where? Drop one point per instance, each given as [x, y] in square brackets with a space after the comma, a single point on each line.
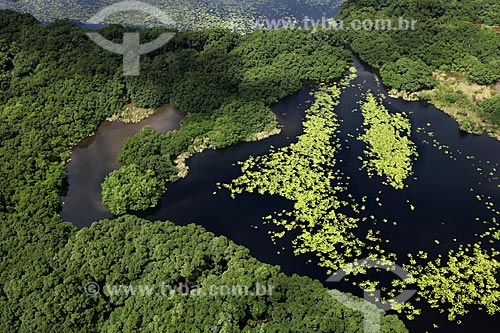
[93, 158]
[132, 114]
[180, 162]
[458, 98]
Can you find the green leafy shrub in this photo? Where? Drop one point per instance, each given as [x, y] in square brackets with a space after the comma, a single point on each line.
[408, 75]
[131, 189]
[491, 107]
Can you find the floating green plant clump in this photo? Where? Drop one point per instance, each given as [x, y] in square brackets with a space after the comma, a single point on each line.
[335, 229]
[452, 284]
[389, 148]
[305, 173]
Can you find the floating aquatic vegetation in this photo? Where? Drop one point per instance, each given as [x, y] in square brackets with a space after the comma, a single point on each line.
[452, 284]
[488, 169]
[236, 15]
[304, 173]
[389, 149]
[307, 173]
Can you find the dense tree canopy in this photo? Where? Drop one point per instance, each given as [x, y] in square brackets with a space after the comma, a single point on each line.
[448, 35]
[132, 252]
[57, 87]
[226, 83]
[148, 150]
[407, 74]
[131, 189]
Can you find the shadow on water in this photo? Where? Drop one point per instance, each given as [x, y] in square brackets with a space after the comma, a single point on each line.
[445, 207]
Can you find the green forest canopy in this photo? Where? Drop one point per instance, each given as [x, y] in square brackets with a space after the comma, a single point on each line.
[449, 35]
[57, 87]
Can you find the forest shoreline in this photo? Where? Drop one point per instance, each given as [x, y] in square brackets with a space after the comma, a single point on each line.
[460, 113]
[135, 115]
[180, 162]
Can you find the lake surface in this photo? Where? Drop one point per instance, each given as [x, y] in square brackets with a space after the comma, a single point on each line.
[184, 12]
[445, 206]
[95, 157]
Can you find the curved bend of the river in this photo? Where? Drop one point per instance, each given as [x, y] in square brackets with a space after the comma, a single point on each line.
[445, 208]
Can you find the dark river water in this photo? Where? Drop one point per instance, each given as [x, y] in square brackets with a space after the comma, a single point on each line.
[440, 191]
